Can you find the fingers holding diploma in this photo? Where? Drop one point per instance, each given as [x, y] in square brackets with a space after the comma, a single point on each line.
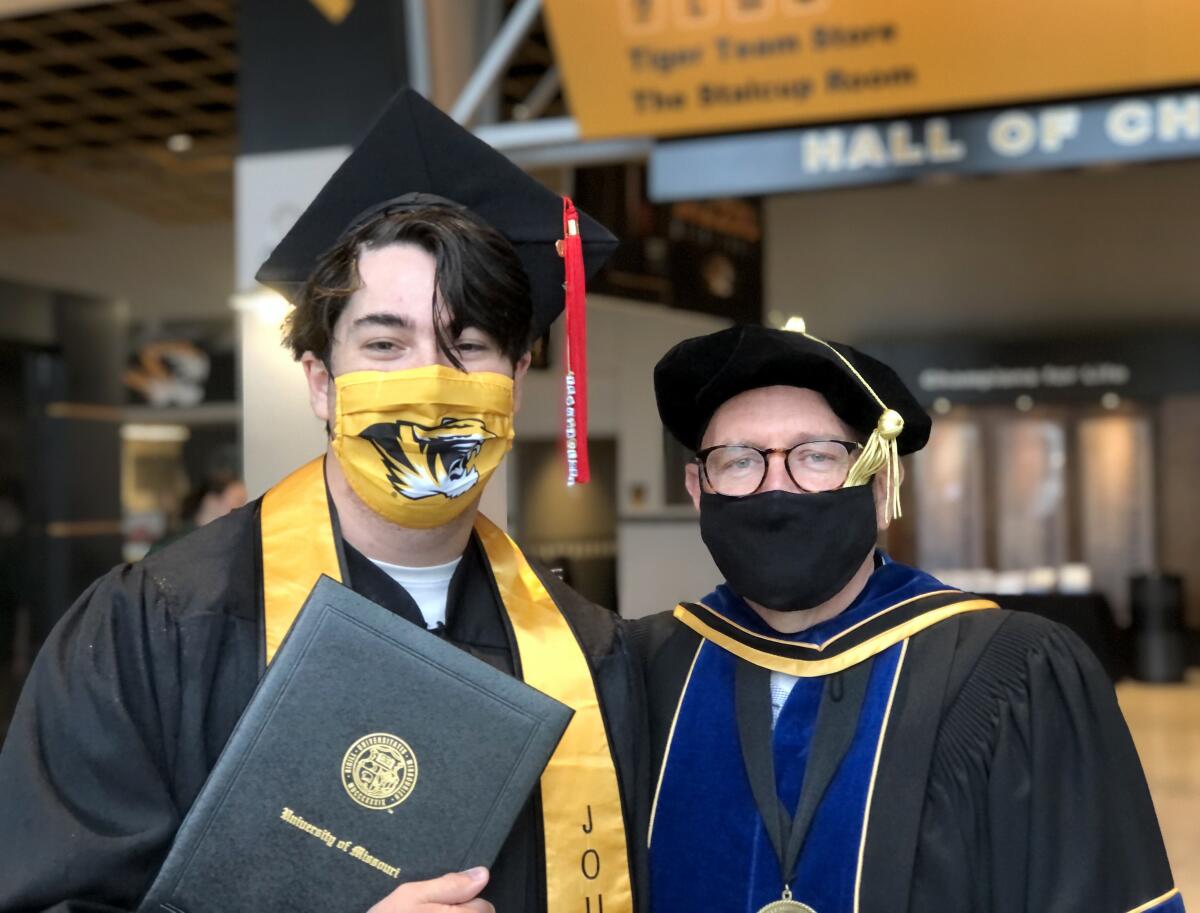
[455, 892]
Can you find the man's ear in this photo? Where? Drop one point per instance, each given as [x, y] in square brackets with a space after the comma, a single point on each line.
[320, 386]
[520, 369]
[691, 478]
[879, 488]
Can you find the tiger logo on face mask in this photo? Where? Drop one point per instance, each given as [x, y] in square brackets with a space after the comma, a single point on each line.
[427, 460]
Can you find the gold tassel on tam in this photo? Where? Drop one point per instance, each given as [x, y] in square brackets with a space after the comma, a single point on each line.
[880, 452]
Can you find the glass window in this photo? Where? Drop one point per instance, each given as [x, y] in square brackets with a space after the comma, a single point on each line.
[1030, 493]
[948, 476]
[1116, 465]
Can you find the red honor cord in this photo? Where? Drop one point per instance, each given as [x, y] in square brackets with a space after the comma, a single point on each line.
[576, 413]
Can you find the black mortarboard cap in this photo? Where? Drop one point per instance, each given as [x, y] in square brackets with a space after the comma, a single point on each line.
[415, 149]
[698, 375]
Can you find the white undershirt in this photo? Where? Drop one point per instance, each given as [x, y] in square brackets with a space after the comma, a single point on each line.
[781, 687]
[782, 683]
[428, 586]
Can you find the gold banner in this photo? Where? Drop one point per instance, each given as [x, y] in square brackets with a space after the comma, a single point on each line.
[664, 67]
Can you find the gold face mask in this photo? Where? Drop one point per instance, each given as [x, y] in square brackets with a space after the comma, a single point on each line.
[418, 445]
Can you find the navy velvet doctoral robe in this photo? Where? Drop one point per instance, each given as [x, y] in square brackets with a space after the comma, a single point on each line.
[1005, 779]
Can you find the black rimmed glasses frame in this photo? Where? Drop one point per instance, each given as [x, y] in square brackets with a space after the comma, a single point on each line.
[830, 482]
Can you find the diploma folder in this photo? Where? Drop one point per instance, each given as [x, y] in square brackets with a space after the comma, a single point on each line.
[371, 754]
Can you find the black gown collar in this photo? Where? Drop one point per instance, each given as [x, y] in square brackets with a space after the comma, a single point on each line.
[473, 615]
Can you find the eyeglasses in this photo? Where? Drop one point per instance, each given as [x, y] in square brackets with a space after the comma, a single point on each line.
[737, 470]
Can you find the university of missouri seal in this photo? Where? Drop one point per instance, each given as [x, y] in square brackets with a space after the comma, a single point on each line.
[379, 771]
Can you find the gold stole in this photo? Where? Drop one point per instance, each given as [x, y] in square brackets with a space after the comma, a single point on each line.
[587, 863]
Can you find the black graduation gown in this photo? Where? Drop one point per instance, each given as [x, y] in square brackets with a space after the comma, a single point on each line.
[1008, 781]
[138, 687]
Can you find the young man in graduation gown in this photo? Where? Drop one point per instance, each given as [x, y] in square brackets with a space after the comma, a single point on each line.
[836, 732]
[420, 275]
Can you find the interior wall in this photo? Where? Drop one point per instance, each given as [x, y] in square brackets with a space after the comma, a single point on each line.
[90, 247]
[552, 513]
[573, 529]
[279, 431]
[660, 557]
[1007, 254]
[540, 411]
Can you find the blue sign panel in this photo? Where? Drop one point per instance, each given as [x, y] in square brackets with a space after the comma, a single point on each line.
[1062, 135]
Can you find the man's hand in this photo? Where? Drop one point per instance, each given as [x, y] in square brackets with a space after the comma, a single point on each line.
[457, 892]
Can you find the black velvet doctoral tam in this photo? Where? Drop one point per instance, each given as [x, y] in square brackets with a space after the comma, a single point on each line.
[698, 375]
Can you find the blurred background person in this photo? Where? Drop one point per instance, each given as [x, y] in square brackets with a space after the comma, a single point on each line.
[213, 498]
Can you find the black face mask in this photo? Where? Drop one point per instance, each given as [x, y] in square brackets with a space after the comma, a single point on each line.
[789, 551]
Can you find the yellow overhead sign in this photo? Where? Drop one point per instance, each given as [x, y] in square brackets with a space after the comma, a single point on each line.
[666, 67]
[334, 10]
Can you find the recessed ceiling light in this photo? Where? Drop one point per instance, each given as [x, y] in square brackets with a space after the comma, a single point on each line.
[179, 142]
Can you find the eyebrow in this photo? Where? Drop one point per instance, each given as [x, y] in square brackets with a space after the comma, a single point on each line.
[383, 319]
[802, 439]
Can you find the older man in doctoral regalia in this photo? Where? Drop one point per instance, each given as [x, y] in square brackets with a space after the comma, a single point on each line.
[836, 732]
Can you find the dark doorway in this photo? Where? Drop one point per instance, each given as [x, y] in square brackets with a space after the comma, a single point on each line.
[573, 530]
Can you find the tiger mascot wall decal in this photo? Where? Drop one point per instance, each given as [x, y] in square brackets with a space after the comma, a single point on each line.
[427, 460]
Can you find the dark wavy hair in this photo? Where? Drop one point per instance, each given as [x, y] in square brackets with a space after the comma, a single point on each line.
[479, 281]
